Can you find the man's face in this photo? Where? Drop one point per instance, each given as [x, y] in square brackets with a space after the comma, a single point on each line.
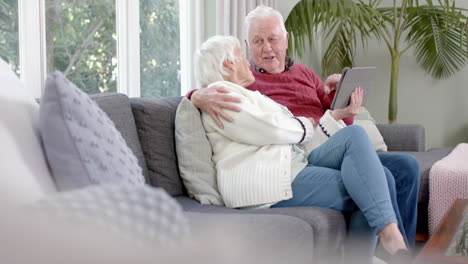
[268, 44]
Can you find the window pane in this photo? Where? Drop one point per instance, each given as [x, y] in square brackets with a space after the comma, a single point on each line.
[9, 44]
[160, 49]
[81, 42]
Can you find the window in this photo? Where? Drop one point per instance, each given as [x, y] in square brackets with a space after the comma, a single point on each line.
[159, 48]
[81, 42]
[9, 42]
[124, 46]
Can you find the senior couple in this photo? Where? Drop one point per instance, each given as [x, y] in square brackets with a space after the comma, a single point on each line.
[269, 123]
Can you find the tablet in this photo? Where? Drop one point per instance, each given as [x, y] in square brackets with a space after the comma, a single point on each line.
[351, 78]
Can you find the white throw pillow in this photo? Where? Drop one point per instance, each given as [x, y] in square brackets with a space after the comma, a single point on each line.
[24, 175]
[194, 155]
[373, 133]
[364, 115]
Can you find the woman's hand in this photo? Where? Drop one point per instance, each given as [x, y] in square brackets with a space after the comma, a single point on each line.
[355, 103]
[213, 100]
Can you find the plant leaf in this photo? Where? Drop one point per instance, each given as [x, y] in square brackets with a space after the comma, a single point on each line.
[342, 20]
[440, 39]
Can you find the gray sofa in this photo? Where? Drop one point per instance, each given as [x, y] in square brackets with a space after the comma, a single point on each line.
[309, 232]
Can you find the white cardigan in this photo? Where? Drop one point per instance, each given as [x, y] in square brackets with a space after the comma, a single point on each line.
[253, 153]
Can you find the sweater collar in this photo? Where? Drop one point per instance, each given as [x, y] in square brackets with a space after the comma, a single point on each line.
[288, 64]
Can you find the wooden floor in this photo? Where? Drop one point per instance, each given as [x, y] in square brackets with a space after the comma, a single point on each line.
[420, 237]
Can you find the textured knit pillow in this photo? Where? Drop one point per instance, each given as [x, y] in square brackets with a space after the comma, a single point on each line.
[141, 213]
[82, 145]
[365, 120]
[194, 155]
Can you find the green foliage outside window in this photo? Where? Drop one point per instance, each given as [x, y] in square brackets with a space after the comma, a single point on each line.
[81, 42]
[159, 48]
[9, 49]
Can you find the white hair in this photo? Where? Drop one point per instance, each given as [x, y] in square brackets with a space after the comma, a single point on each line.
[209, 59]
[262, 11]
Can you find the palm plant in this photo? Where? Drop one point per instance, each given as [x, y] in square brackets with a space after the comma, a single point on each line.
[437, 32]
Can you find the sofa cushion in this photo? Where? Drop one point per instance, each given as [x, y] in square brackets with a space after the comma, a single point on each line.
[364, 114]
[328, 225]
[23, 168]
[252, 238]
[194, 155]
[365, 120]
[154, 118]
[141, 213]
[373, 133]
[118, 109]
[82, 145]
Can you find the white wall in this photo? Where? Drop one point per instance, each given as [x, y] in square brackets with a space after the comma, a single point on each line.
[440, 105]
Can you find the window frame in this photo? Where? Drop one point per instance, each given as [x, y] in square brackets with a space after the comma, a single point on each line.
[32, 45]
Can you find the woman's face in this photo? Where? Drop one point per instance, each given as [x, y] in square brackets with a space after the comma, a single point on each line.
[241, 69]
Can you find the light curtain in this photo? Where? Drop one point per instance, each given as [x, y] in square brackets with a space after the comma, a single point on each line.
[192, 34]
[230, 16]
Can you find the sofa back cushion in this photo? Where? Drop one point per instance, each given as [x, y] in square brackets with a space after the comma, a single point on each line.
[365, 120]
[118, 109]
[155, 121]
[24, 176]
[194, 154]
[82, 145]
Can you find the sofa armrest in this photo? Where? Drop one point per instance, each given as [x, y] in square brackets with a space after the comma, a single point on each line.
[403, 137]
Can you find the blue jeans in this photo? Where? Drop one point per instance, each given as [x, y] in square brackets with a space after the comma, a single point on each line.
[346, 174]
[402, 171]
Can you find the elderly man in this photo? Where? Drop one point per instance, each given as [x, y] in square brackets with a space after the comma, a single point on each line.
[303, 93]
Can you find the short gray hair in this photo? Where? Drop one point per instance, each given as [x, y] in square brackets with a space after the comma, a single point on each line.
[262, 11]
[209, 59]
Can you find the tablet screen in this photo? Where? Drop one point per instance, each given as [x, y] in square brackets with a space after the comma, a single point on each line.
[351, 78]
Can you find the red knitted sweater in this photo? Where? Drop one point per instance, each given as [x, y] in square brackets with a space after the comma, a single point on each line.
[299, 89]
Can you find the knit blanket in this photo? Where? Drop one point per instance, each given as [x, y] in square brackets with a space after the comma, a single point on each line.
[448, 180]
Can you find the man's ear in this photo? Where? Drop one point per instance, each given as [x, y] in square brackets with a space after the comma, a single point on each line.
[228, 65]
[287, 39]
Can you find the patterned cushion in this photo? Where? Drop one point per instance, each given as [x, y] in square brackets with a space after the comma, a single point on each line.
[82, 145]
[194, 155]
[144, 213]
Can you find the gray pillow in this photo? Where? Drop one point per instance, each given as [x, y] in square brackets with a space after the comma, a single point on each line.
[194, 155]
[81, 143]
[141, 213]
[154, 119]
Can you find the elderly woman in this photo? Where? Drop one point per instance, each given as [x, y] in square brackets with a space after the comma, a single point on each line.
[267, 157]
